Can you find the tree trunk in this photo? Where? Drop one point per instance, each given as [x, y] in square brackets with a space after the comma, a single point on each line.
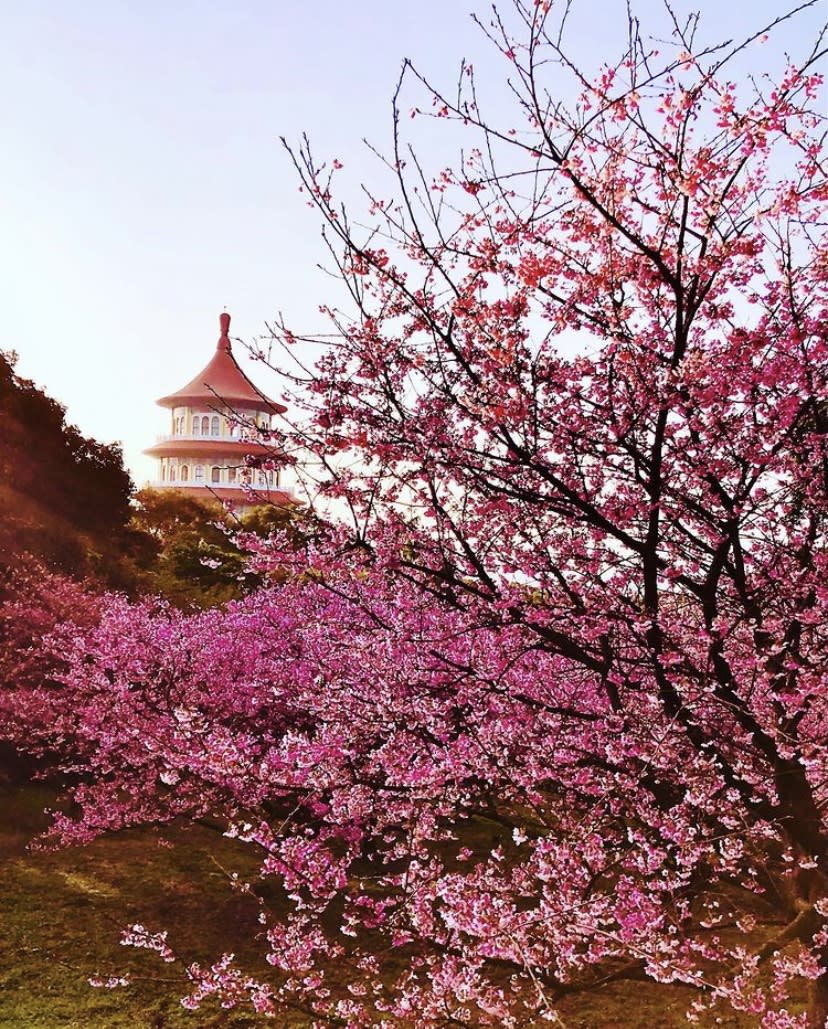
[818, 1001]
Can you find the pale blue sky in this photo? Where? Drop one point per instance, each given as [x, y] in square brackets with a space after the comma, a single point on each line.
[143, 188]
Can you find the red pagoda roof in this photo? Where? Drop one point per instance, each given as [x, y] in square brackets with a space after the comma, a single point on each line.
[222, 382]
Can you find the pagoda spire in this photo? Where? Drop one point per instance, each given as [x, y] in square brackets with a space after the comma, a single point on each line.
[224, 338]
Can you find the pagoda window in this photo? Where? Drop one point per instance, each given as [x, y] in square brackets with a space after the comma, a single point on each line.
[231, 474]
[199, 473]
[163, 472]
[214, 425]
[205, 426]
[215, 474]
[185, 473]
[195, 425]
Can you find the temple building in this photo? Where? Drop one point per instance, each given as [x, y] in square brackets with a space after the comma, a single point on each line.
[218, 423]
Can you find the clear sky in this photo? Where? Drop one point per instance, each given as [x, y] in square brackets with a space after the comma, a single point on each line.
[143, 188]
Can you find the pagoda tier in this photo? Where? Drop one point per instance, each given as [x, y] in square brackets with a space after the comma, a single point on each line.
[239, 497]
[219, 422]
[206, 446]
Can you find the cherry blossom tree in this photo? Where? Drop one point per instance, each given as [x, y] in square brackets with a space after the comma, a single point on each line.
[548, 708]
[34, 601]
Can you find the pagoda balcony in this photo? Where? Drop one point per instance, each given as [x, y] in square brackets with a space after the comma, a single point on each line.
[248, 437]
[239, 494]
[211, 448]
[189, 484]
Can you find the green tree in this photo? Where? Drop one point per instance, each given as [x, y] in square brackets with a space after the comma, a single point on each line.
[191, 556]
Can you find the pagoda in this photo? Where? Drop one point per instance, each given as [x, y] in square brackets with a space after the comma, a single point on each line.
[216, 446]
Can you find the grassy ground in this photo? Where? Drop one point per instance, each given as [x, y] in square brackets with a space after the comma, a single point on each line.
[61, 915]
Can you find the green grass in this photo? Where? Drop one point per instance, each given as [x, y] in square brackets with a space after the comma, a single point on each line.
[61, 914]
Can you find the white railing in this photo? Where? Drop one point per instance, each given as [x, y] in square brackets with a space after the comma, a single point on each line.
[247, 438]
[175, 483]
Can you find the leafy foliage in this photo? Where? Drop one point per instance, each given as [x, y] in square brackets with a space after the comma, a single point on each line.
[190, 555]
[52, 462]
[66, 498]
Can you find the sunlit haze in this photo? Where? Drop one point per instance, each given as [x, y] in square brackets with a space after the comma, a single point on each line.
[144, 187]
